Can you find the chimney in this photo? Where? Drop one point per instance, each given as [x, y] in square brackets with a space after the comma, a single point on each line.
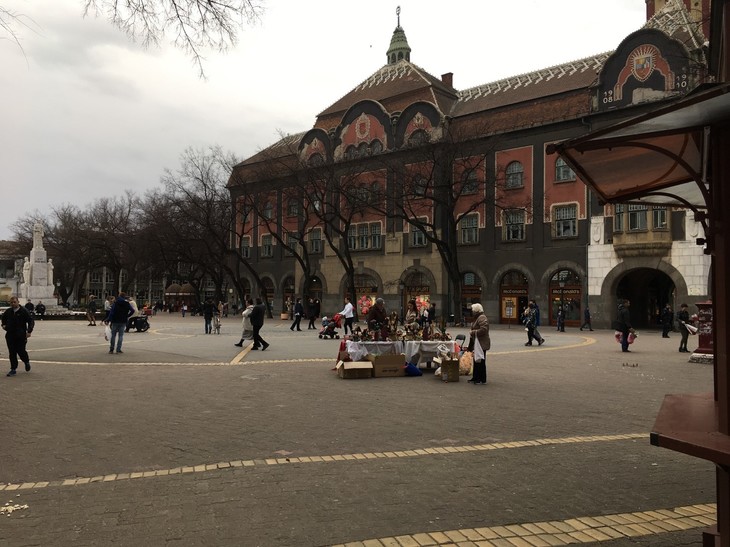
[448, 79]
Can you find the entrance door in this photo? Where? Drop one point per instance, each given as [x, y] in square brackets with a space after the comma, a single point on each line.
[648, 290]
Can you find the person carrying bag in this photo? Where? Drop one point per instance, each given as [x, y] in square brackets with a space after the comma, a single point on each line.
[479, 343]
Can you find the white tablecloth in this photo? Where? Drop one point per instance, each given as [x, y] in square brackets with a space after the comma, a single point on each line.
[417, 351]
[358, 350]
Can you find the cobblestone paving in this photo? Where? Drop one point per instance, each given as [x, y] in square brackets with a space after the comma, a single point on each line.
[186, 440]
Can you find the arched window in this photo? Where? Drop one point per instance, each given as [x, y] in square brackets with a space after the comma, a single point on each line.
[351, 153]
[376, 147]
[418, 137]
[514, 173]
[315, 160]
[363, 150]
[562, 171]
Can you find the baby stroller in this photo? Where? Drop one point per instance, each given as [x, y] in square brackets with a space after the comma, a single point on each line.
[330, 326]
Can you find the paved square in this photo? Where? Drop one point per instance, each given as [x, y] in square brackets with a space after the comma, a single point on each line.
[184, 440]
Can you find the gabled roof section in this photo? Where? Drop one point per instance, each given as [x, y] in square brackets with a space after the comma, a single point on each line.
[676, 22]
[283, 147]
[542, 83]
[394, 81]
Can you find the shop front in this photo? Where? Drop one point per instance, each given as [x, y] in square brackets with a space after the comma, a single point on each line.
[566, 293]
[514, 293]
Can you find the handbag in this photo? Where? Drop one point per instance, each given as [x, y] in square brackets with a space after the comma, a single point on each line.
[107, 333]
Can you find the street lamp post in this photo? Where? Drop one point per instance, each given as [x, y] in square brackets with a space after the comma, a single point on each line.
[561, 316]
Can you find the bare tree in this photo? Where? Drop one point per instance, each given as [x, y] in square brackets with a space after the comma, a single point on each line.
[195, 25]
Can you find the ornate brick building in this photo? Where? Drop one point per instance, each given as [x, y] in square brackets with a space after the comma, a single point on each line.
[408, 188]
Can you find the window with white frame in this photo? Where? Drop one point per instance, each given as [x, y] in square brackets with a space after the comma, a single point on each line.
[420, 186]
[315, 241]
[109, 276]
[470, 183]
[618, 217]
[363, 236]
[514, 175]
[352, 237]
[95, 276]
[659, 218]
[514, 225]
[292, 240]
[246, 247]
[418, 237]
[292, 207]
[563, 172]
[267, 246]
[469, 230]
[375, 237]
[268, 210]
[566, 220]
[637, 218]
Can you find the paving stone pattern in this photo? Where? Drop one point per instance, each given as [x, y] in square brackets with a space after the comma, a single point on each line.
[193, 450]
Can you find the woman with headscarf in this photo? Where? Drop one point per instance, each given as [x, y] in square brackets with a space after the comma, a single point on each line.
[479, 343]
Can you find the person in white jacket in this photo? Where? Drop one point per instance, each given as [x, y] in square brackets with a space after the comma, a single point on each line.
[246, 325]
[348, 313]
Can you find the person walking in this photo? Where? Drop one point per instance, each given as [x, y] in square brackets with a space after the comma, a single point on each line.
[624, 322]
[18, 325]
[667, 320]
[479, 343]
[683, 319]
[561, 319]
[91, 311]
[530, 320]
[587, 319]
[119, 314]
[184, 309]
[298, 312]
[257, 322]
[209, 310]
[314, 309]
[246, 326]
[348, 312]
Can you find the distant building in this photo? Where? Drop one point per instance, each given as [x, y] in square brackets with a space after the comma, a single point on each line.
[11, 269]
[543, 236]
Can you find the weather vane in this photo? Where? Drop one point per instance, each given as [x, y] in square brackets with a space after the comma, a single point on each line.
[397, 12]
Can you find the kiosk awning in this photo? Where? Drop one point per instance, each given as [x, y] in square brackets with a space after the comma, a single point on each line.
[657, 158]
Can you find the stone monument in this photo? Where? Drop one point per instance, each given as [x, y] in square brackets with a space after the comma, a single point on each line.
[37, 273]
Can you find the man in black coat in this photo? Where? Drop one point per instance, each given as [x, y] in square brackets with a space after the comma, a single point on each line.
[257, 321]
[18, 324]
[119, 314]
[624, 320]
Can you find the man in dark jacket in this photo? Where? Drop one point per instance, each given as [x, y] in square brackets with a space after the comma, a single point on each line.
[18, 324]
[209, 310]
[667, 320]
[119, 314]
[257, 321]
[298, 313]
[624, 320]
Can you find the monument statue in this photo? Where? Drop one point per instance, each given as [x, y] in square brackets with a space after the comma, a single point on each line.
[37, 271]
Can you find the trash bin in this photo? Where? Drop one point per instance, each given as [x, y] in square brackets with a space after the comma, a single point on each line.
[451, 319]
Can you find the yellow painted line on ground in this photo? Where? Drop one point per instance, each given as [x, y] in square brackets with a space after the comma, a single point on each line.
[238, 358]
[262, 462]
[588, 529]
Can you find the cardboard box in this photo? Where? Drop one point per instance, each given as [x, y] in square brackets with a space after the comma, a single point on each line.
[388, 366]
[353, 370]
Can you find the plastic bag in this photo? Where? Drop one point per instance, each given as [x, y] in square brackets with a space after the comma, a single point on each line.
[107, 333]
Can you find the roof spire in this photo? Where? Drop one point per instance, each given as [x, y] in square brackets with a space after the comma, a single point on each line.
[399, 49]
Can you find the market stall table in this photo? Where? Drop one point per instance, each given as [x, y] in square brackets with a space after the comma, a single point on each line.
[358, 350]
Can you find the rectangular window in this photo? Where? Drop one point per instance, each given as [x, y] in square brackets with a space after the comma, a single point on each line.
[469, 230]
[267, 246]
[363, 240]
[637, 218]
[659, 218]
[471, 183]
[246, 247]
[566, 222]
[352, 237]
[514, 225]
[418, 237]
[618, 218]
[96, 277]
[315, 241]
[375, 235]
[109, 276]
[292, 208]
[291, 243]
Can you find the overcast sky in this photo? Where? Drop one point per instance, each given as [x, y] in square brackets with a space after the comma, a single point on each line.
[85, 113]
